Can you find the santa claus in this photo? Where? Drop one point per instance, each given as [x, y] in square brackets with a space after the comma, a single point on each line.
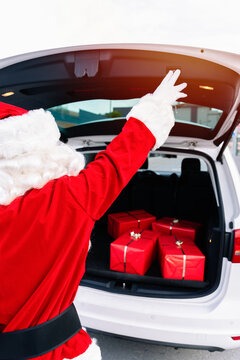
[49, 204]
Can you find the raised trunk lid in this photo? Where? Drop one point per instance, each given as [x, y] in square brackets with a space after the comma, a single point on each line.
[50, 78]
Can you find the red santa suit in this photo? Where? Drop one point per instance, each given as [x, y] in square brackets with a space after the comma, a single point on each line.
[49, 205]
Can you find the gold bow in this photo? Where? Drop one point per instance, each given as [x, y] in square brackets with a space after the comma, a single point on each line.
[135, 235]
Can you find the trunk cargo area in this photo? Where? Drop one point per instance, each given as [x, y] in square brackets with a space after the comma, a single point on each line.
[187, 195]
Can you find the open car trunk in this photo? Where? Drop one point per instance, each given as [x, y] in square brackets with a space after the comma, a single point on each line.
[167, 185]
[82, 87]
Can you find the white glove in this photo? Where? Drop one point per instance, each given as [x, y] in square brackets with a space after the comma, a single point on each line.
[155, 110]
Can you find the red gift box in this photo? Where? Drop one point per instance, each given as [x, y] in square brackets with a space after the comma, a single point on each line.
[176, 227]
[133, 252]
[119, 223]
[180, 259]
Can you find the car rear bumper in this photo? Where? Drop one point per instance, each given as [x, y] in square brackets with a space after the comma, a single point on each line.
[160, 343]
[207, 322]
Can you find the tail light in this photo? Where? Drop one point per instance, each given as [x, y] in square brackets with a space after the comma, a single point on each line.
[236, 337]
[236, 248]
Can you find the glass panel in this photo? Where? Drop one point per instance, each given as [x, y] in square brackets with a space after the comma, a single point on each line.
[196, 114]
[167, 163]
[87, 111]
[83, 112]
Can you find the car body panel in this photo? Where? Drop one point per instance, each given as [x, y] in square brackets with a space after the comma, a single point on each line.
[230, 189]
[205, 321]
[202, 321]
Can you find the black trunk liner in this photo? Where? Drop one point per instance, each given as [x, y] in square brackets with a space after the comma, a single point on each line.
[190, 197]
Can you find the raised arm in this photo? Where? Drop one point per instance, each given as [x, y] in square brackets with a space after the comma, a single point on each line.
[149, 123]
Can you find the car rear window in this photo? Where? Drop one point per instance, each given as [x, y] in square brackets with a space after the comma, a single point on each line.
[166, 164]
[83, 112]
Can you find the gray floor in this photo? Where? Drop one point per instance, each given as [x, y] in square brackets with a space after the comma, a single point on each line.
[120, 349]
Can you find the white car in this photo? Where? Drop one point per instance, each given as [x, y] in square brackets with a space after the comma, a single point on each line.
[89, 90]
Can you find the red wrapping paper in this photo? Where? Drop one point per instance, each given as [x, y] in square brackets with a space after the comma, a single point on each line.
[176, 227]
[120, 223]
[133, 256]
[184, 261]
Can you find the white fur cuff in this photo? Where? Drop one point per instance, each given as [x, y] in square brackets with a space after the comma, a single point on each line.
[93, 352]
[159, 118]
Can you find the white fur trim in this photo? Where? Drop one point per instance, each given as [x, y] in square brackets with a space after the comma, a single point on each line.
[30, 132]
[93, 352]
[31, 154]
[158, 117]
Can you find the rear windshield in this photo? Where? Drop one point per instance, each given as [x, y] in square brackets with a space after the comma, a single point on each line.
[83, 112]
[168, 163]
[164, 164]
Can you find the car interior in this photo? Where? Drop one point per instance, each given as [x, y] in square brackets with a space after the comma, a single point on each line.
[187, 194]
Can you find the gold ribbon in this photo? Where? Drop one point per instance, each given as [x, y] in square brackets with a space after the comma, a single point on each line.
[135, 217]
[179, 244]
[134, 236]
[174, 221]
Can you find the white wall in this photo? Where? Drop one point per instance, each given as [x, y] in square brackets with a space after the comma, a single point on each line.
[30, 25]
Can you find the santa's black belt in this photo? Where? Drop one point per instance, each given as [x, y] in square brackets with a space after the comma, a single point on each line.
[40, 339]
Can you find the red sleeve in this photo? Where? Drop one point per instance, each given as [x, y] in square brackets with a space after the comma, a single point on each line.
[97, 186]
